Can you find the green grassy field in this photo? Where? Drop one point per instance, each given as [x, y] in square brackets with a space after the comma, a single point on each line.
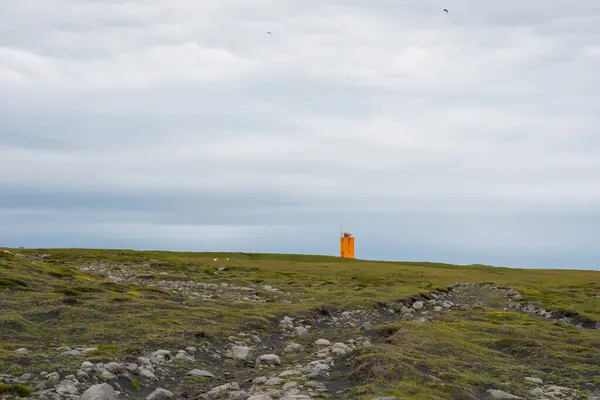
[50, 302]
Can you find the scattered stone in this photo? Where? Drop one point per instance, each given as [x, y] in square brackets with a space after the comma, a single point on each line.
[238, 395]
[52, 379]
[22, 350]
[417, 305]
[216, 392]
[366, 326]
[341, 349]
[160, 394]
[290, 385]
[82, 375]
[192, 350]
[259, 397]
[300, 331]
[293, 348]
[26, 377]
[273, 382]
[260, 380]
[438, 308]
[200, 372]
[114, 368]
[319, 386]
[500, 394]
[534, 380]
[287, 323]
[269, 359]
[161, 357]
[72, 353]
[141, 361]
[292, 372]
[67, 387]
[107, 376]
[100, 392]
[131, 367]
[182, 355]
[322, 342]
[239, 352]
[147, 373]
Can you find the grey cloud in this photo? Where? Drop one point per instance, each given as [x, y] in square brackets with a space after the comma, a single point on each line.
[468, 137]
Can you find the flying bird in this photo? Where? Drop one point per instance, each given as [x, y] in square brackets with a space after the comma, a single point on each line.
[445, 9]
[269, 32]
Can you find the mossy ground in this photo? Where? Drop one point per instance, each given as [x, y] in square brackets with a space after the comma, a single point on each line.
[47, 303]
[460, 354]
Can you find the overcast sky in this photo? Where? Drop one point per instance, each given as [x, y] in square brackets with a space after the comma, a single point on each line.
[468, 137]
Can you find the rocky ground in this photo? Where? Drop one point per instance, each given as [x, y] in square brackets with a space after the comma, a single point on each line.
[304, 357]
[150, 275]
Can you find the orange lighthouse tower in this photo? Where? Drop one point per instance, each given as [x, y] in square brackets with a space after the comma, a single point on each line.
[347, 246]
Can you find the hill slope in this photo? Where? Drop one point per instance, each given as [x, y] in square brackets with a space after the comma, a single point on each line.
[402, 329]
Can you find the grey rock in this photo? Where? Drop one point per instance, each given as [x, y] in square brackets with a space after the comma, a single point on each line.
[437, 308]
[295, 397]
[102, 391]
[501, 394]
[26, 377]
[417, 305]
[260, 397]
[131, 367]
[217, 391]
[160, 394]
[259, 380]
[341, 349]
[191, 350]
[300, 331]
[293, 348]
[238, 395]
[319, 386]
[161, 357]
[52, 379]
[287, 323]
[22, 350]
[534, 380]
[147, 373]
[82, 375]
[143, 361]
[107, 376]
[447, 304]
[114, 368]
[87, 366]
[67, 387]
[200, 372]
[366, 326]
[273, 382]
[99, 367]
[322, 342]
[239, 352]
[290, 385]
[269, 359]
[72, 353]
[291, 372]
